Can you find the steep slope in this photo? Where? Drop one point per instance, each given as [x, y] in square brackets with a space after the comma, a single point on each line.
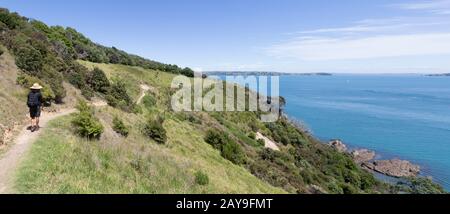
[162, 151]
[303, 165]
[61, 162]
[12, 97]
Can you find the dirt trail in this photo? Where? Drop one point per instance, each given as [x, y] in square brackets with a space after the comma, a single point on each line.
[144, 89]
[11, 159]
[268, 143]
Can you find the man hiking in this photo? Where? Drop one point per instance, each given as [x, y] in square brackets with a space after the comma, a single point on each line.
[34, 102]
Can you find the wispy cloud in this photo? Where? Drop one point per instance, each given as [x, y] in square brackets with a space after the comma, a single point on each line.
[434, 6]
[374, 38]
[363, 48]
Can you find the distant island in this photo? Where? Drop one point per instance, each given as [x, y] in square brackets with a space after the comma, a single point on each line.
[263, 73]
[438, 75]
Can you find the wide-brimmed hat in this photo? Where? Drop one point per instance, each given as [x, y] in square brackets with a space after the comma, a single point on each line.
[36, 86]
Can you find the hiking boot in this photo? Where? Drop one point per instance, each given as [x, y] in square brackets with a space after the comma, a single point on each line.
[33, 128]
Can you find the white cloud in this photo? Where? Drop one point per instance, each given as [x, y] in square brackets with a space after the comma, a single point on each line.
[382, 25]
[374, 38]
[434, 6]
[363, 48]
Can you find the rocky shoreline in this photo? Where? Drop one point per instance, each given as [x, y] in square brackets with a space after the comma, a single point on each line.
[365, 158]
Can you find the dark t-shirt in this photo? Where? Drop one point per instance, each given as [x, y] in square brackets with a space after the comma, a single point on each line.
[34, 99]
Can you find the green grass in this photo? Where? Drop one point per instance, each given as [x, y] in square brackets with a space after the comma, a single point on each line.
[60, 162]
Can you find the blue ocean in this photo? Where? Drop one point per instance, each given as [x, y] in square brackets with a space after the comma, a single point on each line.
[398, 116]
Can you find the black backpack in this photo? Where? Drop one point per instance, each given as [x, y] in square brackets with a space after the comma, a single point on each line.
[34, 99]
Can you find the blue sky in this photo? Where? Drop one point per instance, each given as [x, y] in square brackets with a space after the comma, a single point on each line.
[353, 36]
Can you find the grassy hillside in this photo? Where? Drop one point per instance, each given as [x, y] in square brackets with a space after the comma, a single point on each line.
[61, 162]
[74, 164]
[12, 97]
[145, 147]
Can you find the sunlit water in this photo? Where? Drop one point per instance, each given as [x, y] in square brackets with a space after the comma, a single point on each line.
[397, 116]
[404, 116]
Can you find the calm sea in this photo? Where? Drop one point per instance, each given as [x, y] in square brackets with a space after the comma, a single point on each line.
[398, 116]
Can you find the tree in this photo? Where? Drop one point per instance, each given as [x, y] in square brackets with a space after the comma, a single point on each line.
[98, 81]
[117, 96]
[187, 72]
[29, 59]
[12, 20]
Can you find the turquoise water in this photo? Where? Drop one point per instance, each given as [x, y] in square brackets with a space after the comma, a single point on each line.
[404, 116]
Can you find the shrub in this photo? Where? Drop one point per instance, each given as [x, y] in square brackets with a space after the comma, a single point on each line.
[137, 109]
[252, 135]
[12, 20]
[187, 72]
[117, 96]
[349, 189]
[201, 178]
[233, 152]
[98, 81]
[268, 154]
[214, 138]
[85, 123]
[154, 129]
[76, 79]
[87, 93]
[120, 127]
[29, 59]
[419, 186]
[229, 149]
[261, 142]
[193, 119]
[148, 101]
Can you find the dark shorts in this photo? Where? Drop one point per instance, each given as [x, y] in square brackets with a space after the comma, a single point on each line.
[35, 111]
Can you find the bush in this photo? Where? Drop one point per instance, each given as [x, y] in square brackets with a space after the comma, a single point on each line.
[154, 129]
[233, 152]
[29, 59]
[268, 154]
[148, 101]
[349, 189]
[137, 109]
[419, 186]
[215, 139]
[201, 178]
[252, 136]
[120, 127]
[117, 96]
[98, 81]
[187, 72]
[230, 150]
[85, 123]
[87, 93]
[261, 142]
